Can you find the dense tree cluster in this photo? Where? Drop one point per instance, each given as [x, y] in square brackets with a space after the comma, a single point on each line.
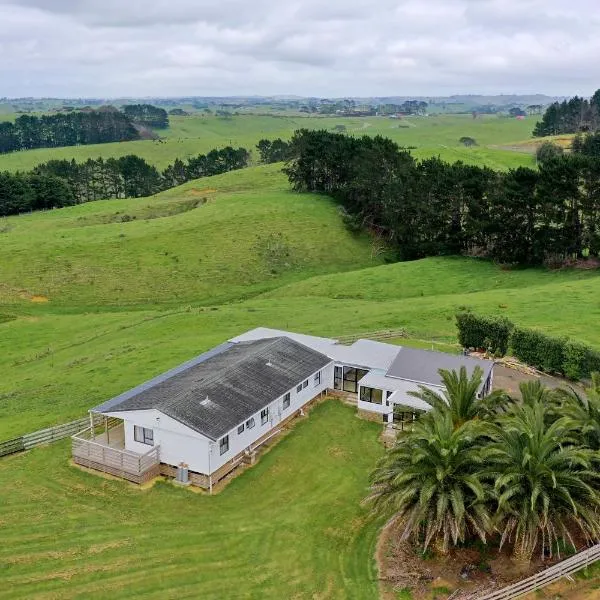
[147, 115]
[65, 129]
[272, 151]
[430, 207]
[513, 471]
[570, 116]
[409, 107]
[26, 192]
[60, 183]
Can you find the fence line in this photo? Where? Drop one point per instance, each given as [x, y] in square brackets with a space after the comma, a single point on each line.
[562, 569]
[45, 436]
[385, 334]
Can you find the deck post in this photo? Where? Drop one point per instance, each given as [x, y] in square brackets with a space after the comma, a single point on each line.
[92, 425]
[106, 430]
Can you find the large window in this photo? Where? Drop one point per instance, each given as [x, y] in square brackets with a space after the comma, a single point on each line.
[351, 378]
[338, 376]
[264, 415]
[286, 401]
[224, 445]
[318, 379]
[372, 395]
[143, 435]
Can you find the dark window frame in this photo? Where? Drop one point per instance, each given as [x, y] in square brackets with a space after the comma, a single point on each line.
[366, 395]
[305, 384]
[143, 435]
[241, 428]
[298, 389]
[338, 378]
[224, 445]
[250, 423]
[350, 383]
[264, 415]
[317, 379]
[286, 401]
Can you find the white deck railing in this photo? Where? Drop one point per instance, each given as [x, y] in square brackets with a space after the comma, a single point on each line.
[116, 461]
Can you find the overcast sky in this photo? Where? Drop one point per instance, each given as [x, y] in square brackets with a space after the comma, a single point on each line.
[108, 48]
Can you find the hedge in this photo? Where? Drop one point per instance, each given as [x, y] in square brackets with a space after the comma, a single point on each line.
[478, 331]
[538, 350]
[551, 354]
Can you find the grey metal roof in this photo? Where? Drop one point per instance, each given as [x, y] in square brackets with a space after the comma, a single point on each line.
[214, 395]
[423, 365]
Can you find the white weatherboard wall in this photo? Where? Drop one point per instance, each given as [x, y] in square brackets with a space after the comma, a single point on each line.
[240, 442]
[178, 443]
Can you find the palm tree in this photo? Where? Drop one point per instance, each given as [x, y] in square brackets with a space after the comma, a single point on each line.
[584, 411]
[431, 481]
[546, 486]
[460, 397]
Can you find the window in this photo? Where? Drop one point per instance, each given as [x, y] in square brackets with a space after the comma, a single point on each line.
[337, 378]
[372, 395]
[250, 423]
[317, 378]
[286, 401]
[241, 429]
[224, 445]
[305, 384]
[264, 415]
[299, 389]
[143, 435]
[351, 378]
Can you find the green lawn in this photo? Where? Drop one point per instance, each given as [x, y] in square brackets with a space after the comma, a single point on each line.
[189, 136]
[290, 527]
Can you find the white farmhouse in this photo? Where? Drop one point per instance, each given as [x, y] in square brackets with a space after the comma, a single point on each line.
[202, 419]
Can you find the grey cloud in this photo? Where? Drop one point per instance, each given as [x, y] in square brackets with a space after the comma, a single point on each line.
[307, 47]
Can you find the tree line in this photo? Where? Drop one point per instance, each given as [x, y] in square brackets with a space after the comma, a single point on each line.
[59, 183]
[431, 207]
[570, 116]
[68, 129]
[147, 115]
[106, 124]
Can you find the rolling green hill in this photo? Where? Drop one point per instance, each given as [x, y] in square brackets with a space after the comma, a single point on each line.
[99, 297]
[211, 240]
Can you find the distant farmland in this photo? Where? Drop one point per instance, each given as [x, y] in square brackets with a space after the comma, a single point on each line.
[189, 136]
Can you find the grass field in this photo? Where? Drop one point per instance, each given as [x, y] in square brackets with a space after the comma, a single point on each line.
[97, 298]
[93, 306]
[189, 136]
[86, 256]
[290, 527]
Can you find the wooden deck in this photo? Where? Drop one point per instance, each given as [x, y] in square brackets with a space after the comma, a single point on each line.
[106, 452]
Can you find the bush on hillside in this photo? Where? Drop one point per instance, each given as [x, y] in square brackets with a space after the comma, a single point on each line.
[547, 151]
[477, 331]
[467, 141]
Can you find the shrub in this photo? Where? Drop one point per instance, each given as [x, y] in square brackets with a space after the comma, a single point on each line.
[580, 360]
[539, 350]
[477, 331]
